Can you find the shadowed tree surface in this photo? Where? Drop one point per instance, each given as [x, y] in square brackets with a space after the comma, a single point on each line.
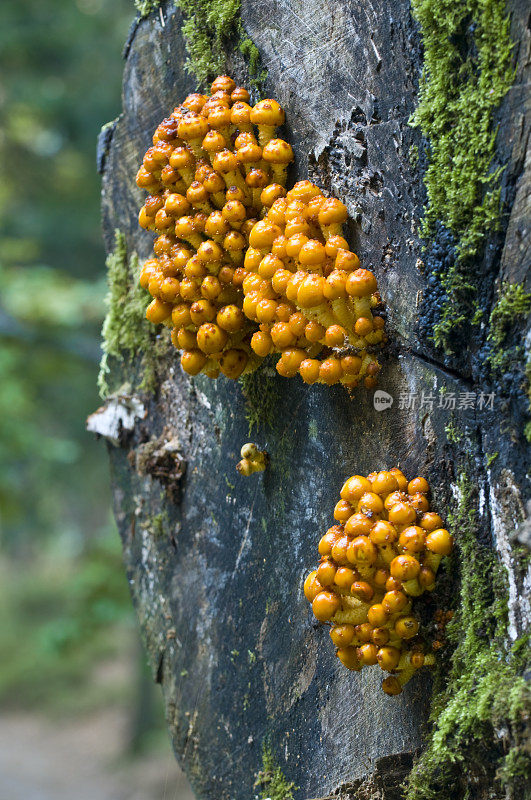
[216, 561]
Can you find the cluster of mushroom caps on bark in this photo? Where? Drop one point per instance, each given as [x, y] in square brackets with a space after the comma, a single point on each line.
[382, 553]
[242, 267]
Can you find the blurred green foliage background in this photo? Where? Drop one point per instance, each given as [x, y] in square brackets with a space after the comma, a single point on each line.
[64, 600]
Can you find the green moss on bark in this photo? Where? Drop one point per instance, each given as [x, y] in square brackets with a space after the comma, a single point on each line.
[467, 72]
[126, 333]
[505, 353]
[271, 780]
[513, 302]
[262, 396]
[145, 7]
[480, 703]
[210, 29]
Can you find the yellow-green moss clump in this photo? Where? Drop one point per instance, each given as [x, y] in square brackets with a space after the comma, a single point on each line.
[145, 7]
[502, 353]
[271, 780]
[481, 693]
[261, 391]
[126, 333]
[210, 27]
[467, 72]
[513, 302]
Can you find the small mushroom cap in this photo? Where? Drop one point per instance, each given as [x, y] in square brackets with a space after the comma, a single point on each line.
[263, 234]
[309, 370]
[310, 293]
[362, 551]
[330, 371]
[312, 253]
[354, 487]
[332, 212]
[370, 502]
[346, 260]
[388, 657]
[342, 635]
[158, 311]
[268, 112]
[412, 539]
[326, 572]
[193, 361]
[395, 601]
[325, 605]
[418, 485]
[440, 541]
[349, 658]
[277, 151]
[223, 83]
[211, 338]
[402, 514]
[406, 627]
[361, 283]
[378, 615]
[225, 161]
[230, 318]
[362, 590]
[239, 94]
[233, 362]
[358, 525]
[404, 568]
[383, 532]
[192, 126]
[367, 654]
[384, 483]
[182, 158]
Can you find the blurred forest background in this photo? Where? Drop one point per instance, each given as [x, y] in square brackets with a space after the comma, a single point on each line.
[68, 642]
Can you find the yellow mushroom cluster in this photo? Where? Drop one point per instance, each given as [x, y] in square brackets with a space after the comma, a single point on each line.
[382, 553]
[306, 290]
[214, 166]
[242, 268]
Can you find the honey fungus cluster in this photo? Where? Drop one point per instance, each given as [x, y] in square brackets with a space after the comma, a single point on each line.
[382, 553]
[305, 288]
[214, 165]
[242, 268]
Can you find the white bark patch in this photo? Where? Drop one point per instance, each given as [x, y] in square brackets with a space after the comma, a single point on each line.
[505, 521]
[119, 413]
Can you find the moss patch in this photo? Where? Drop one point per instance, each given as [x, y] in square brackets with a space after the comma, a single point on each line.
[145, 7]
[467, 72]
[271, 780]
[262, 397]
[480, 702]
[514, 302]
[505, 356]
[211, 27]
[126, 332]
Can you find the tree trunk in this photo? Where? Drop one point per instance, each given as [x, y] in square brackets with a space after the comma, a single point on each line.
[216, 561]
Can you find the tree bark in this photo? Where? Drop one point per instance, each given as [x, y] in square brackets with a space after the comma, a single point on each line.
[216, 561]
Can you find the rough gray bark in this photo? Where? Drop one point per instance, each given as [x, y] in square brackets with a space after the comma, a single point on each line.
[216, 569]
